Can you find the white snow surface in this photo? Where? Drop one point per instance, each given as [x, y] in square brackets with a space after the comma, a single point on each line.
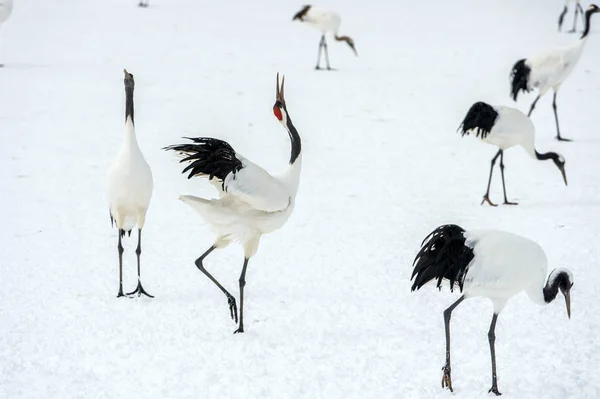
[329, 311]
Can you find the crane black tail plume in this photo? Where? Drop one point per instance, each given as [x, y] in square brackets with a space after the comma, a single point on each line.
[443, 255]
[519, 78]
[481, 118]
[208, 157]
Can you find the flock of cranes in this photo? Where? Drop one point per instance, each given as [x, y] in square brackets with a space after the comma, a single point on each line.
[251, 202]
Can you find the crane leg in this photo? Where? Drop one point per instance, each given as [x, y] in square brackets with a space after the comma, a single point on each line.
[446, 378]
[230, 298]
[561, 17]
[319, 53]
[556, 119]
[578, 7]
[486, 197]
[120, 249]
[138, 251]
[326, 53]
[506, 201]
[533, 105]
[242, 282]
[492, 340]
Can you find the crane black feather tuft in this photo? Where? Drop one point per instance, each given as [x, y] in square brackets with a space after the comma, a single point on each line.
[443, 255]
[481, 117]
[208, 157]
[519, 78]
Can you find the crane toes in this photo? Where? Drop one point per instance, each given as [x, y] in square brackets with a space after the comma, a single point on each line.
[233, 309]
[446, 379]
[140, 291]
[506, 202]
[494, 389]
[487, 199]
[562, 139]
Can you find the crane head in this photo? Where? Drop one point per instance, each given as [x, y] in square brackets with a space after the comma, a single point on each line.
[563, 278]
[559, 161]
[592, 8]
[279, 108]
[129, 82]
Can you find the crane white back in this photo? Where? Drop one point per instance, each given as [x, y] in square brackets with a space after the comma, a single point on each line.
[251, 201]
[549, 69]
[129, 188]
[325, 21]
[487, 263]
[505, 127]
[6, 8]
[578, 10]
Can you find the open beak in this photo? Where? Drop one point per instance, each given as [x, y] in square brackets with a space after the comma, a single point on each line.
[564, 174]
[279, 90]
[568, 302]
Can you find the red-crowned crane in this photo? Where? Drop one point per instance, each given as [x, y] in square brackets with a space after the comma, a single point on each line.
[578, 10]
[549, 70]
[130, 185]
[491, 264]
[505, 127]
[251, 201]
[6, 7]
[324, 21]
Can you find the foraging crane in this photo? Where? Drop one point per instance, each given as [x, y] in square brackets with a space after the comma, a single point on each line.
[578, 10]
[487, 263]
[130, 186]
[6, 7]
[324, 21]
[548, 70]
[251, 201]
[505, 127]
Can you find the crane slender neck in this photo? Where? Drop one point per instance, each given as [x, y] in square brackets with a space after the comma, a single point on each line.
[129, 103]
[586, 30]
[294, 139]
[545, 156]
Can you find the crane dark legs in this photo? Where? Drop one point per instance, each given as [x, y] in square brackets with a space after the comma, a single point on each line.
[492, 340]
[121, 233]
[506, 201]
[556, 120]
[138, 251]
[230, 298]
[323, 45]
[446, 378]
[242, 282]
[533, 105]
[561, 17]
[486, 197]
[578, 9]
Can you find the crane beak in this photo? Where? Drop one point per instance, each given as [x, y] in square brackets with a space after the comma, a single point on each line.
[568, 302]
[564, 174]
[279, 89]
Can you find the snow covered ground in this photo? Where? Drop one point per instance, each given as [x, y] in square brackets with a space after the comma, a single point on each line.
[329, 312]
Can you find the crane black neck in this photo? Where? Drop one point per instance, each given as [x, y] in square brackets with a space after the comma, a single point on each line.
[586, 30]
[545, 156]
[561, 280]
[129, 103]
[294, 139]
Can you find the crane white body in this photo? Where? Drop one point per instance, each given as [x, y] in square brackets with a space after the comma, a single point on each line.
[493, 264]
[505, 127]
[130, 183]
[253, 203]
[504, 265]
[323, 20]
[549, 69]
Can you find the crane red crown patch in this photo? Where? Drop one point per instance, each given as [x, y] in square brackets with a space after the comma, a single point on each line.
[277, 112]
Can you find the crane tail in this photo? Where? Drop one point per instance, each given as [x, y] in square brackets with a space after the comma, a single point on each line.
[480, 118]
[519, 78]
[443, 255]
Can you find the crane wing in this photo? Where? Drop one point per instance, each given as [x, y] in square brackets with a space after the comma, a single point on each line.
[232, 174]
[255, 186]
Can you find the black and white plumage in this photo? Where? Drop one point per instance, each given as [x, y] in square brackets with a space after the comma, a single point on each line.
[505, 127]
[129, 188]
[578, 10]
[548, 70]
[251, 201]
[487, 263]
[324, 21]
[6, 7]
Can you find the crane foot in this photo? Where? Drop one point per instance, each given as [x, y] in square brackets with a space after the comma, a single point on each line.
[486, 198]
[446, 379]
[139, 291]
